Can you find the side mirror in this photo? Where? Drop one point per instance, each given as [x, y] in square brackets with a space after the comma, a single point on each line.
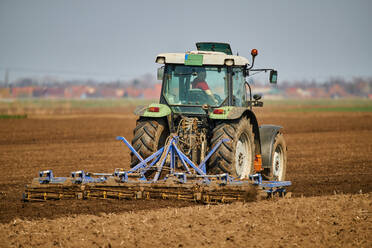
[160, 73]
[273, 77]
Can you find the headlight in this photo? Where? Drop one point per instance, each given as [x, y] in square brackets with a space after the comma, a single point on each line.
[229, 62]
[160, 60]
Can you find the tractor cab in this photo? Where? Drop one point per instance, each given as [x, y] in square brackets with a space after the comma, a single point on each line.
[189, 85]
[211, 77]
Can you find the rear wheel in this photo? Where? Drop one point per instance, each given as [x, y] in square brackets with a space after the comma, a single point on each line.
[235, 156]
[278, 159]
[148, 137]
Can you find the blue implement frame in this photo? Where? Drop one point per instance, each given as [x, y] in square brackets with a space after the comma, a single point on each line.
[171, 151]
[169, 162]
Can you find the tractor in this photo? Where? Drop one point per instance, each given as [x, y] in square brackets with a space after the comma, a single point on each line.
[200, 143]
[205, 98]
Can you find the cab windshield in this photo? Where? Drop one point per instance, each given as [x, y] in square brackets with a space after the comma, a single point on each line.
[195, 85]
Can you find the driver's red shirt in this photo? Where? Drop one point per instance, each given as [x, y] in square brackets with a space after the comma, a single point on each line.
[200, 85]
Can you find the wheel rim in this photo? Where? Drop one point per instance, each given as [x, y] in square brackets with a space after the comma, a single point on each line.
[242, 158]
[278, 161]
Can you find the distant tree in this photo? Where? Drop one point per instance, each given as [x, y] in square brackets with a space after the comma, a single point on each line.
[135, 83]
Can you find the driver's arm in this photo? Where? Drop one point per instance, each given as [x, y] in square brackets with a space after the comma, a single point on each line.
[204, 86]
[210, 94]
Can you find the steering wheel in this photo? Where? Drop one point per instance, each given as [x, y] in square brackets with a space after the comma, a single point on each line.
[217, 97]
[197, 96]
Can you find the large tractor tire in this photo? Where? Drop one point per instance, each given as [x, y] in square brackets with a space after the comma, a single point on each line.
[278, 159]
[148, 137]
[235, 156]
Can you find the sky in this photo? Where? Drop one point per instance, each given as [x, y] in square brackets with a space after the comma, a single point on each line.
[119, 40]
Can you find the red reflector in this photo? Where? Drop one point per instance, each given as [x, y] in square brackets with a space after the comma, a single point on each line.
[218, 111]
[154, 109]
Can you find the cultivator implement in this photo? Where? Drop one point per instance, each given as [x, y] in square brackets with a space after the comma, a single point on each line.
[166, 174]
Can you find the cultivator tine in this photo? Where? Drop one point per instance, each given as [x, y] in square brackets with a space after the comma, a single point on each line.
[182, 161]
[186, 159]
[172, 161]
[163, 158]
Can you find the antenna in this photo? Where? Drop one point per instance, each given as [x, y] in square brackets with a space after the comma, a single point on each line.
[6, 77]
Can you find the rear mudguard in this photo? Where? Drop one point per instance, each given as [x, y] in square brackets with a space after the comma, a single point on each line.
[233, 113]
[162, 110]
[229, 113]
[267, 136]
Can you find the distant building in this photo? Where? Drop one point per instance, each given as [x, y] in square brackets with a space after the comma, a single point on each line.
[152, 93]
[39, 92]
[318, 92]
[336, 91]
[22, 92]
[4, 93]
[109, 92]
[132, 92]
[76, 91]
[297, 93]
[55, 92]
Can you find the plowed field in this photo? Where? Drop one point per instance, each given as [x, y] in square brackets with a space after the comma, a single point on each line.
[329, 163]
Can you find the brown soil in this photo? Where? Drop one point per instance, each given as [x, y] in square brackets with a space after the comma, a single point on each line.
[327, 153]
[326, 221]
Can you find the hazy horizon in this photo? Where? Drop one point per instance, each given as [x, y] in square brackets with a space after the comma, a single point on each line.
[117, 40]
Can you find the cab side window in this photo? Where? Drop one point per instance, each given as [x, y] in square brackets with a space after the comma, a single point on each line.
[238, 86]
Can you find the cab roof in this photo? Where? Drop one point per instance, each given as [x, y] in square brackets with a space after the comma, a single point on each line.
[214, 47]
[209, 53]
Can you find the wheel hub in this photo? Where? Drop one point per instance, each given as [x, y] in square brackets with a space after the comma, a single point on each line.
[242, 160]
[278, 164]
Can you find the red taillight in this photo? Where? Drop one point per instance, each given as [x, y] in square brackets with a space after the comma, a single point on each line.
[218, 111]
[154, 109]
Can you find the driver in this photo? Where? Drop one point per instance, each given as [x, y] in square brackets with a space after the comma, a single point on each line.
[200, 83]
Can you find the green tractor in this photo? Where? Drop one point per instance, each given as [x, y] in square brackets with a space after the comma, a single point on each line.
[205, 98]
